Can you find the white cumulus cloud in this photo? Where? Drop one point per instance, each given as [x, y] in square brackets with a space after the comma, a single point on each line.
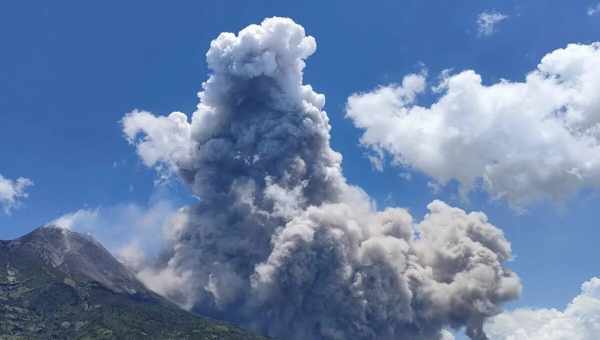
[166, 141]
[580, 320]
[487, 22]
[12, 192]
[523, 141]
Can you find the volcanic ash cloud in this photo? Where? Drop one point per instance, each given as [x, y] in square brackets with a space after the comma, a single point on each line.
[279, 241]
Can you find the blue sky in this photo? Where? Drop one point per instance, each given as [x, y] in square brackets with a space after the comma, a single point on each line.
[69, 71]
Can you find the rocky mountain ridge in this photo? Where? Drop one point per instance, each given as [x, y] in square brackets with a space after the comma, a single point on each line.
[59, 284]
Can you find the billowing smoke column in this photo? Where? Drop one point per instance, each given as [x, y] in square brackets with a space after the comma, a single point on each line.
[280, 242]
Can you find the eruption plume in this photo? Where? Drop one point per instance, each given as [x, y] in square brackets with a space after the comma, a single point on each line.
[279, 241]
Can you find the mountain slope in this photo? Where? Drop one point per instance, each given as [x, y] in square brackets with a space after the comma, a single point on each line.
[58, 284]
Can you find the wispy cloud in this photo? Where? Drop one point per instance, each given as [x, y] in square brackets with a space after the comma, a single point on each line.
[487, 22]
[12, 192]
[133, 232]
[594, 10]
